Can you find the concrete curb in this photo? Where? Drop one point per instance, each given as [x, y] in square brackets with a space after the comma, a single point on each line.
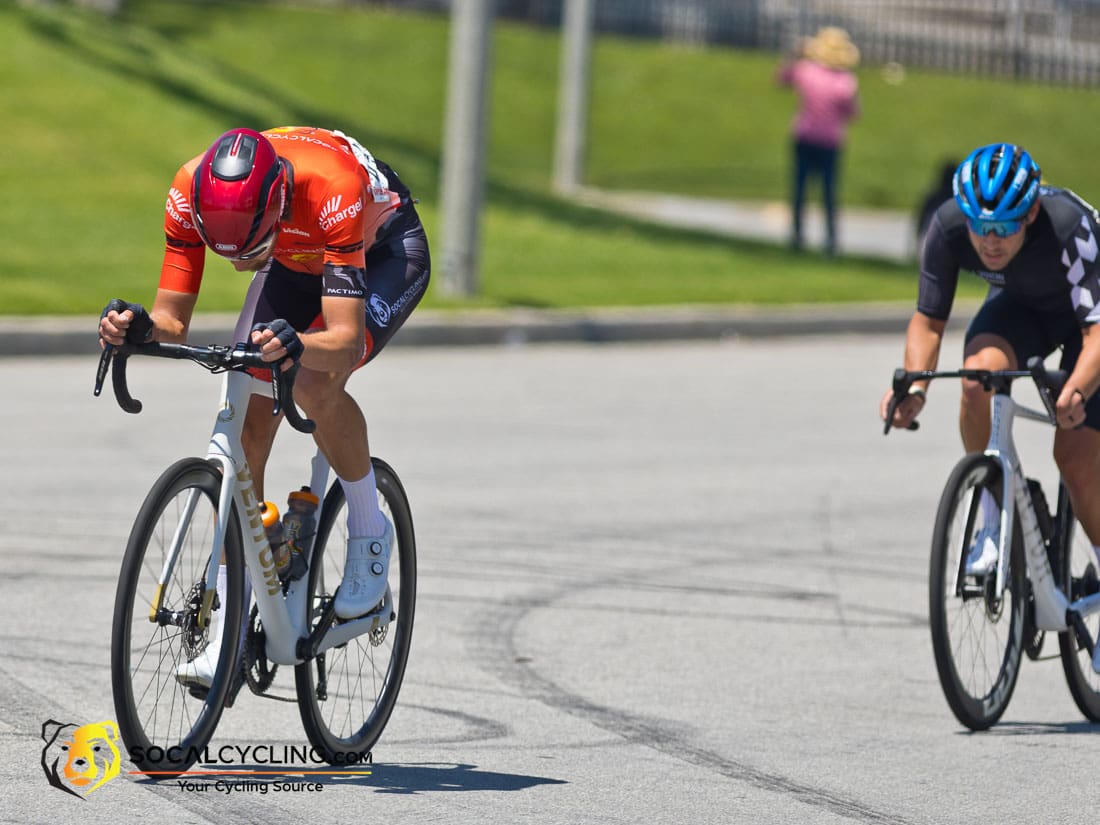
[76, 336]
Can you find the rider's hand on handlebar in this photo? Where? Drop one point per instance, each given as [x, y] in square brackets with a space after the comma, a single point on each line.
[1070, 407]
[123, 322]
[277, 340]
[907, 410]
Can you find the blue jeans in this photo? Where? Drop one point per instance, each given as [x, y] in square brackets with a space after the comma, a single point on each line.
[811, 159]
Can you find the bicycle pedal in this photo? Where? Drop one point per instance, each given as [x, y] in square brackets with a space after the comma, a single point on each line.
[384, 606]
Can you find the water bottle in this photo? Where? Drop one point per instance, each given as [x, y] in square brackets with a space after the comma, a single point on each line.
[276, 537]
[300, 525]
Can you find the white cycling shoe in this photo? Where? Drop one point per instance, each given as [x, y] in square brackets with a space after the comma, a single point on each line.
[199, 672]
[366, 570]
[984, 552]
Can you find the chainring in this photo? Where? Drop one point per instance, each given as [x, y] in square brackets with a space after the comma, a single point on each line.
[259, 673]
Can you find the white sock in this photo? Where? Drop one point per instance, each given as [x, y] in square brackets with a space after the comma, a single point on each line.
[216, 632]
[364, 515]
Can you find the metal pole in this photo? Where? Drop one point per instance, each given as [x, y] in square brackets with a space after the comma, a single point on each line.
[463, 183]
[570, 144]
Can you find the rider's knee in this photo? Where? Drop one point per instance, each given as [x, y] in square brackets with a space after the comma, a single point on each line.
[314, 389]
[1077, 467]
[975, 398]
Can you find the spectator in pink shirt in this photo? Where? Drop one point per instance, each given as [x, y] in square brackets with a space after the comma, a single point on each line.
[827, 89]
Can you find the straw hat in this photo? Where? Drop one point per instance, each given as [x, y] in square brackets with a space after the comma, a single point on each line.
[832, 47]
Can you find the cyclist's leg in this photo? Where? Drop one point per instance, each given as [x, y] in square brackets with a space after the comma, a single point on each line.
[275, 292]
[1077, 451]
[397, 277]
[1002, 335]
[397, 274]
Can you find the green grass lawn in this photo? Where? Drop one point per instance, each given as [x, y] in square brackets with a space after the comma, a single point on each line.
[99, 114]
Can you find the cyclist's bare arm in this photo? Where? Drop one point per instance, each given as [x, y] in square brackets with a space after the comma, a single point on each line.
[1082, 382]
[339, 346]
[171, 314]
[922, 352]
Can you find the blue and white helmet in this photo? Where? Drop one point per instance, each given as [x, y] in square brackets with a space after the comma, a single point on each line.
[999, 182]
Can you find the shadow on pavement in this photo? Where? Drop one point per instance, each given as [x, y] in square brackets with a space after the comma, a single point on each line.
[389, 778]
[420, 778]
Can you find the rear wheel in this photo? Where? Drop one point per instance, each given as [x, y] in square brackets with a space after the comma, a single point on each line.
[977, 633]
[347, 693]
[1078, 576]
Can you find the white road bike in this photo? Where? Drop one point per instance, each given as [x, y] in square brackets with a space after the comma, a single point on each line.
[202, 511]
[1045, 576]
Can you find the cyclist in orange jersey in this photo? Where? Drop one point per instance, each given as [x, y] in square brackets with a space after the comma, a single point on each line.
[340, 261]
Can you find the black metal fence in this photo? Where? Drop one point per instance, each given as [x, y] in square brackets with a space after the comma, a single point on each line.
[1049, 41]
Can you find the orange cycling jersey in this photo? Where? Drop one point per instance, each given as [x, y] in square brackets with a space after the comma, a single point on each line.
[340, 198]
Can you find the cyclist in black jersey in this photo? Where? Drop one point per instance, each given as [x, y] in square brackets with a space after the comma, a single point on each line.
[1036, 246]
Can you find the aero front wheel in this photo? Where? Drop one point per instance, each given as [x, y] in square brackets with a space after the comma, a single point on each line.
[347, 693]
[158, 630]
[1078, 576]
[977, 633]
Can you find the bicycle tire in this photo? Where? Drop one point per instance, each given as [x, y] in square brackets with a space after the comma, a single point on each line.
[362, 678]
[162, 723]
[1077, 572]
[974, 625]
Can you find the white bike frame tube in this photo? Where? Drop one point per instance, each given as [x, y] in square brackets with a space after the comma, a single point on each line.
[282, 629]
[1050, 602]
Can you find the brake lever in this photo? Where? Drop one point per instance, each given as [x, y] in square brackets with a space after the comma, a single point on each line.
[114, 358]
[282, 386]
[118, 381]
[1049, 384]
[902, 383]
[104, 365]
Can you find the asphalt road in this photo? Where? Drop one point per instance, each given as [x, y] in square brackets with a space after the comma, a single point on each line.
[671, 583]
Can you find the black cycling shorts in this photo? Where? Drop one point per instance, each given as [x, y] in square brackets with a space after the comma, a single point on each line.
[398, 270]
[1032, 333]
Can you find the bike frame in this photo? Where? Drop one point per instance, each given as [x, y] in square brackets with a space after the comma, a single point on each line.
[1053, 611]
[285, 617]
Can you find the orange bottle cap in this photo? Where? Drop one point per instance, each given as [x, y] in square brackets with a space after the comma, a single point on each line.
[304, 495]
[269, 512]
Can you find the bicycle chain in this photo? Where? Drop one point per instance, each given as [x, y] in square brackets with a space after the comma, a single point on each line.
[259, 673]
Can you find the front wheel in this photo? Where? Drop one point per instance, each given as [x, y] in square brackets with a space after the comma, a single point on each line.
[158, 629]
[977, 633]
[347, 693]
[1076, 569]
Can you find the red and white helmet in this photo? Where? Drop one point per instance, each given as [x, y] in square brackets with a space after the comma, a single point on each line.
[238, 194]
